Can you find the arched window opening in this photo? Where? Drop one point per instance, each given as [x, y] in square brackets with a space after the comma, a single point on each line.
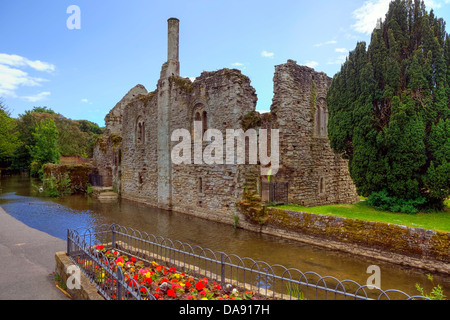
[317, 122]
[140, 130]
[321, 119]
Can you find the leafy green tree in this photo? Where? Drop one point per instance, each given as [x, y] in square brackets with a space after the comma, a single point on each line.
[75, 137]
[389, 107]
[9, 137]
[45, 150]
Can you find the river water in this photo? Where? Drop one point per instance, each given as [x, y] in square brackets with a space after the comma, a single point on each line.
[20, 198]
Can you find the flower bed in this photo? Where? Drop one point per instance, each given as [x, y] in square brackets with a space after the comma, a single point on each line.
[165, 283]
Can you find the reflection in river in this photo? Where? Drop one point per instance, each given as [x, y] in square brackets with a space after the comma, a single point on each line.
[21, 199]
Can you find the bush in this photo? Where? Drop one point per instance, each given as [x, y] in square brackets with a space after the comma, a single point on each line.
[383, 201]
[57, 187]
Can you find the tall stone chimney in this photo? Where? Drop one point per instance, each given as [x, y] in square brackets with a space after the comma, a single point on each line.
[173, 63]
[174, 39]
[169, 69]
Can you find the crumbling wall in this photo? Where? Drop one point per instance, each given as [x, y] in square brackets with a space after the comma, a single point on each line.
[316, 175]
[139, 168]
[211, 191]
[107, 155]
[113, 119]
[224, 99]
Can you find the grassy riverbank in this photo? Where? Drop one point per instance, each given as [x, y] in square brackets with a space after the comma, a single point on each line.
[434, 221]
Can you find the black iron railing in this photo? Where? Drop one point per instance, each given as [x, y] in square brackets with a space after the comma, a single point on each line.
[271, 281]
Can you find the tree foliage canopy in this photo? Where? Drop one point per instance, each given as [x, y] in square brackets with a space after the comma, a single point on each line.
[389, 107]
[74, 137]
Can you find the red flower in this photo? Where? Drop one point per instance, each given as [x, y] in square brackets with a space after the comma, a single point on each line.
[136, 276]
[133, 259]
[100, 247]
[171, 293]
[164, 280]
[187, 284]
[200, 285]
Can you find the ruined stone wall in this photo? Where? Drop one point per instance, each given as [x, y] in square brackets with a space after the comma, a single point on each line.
[211, 191]
[316, 175]
[139, 168]
[113, 119]
[107, 155]
[137, 160]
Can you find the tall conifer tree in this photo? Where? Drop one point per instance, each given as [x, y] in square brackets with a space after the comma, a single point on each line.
[389, 107]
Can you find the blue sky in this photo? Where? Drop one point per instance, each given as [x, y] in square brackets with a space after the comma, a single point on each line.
[83, 73]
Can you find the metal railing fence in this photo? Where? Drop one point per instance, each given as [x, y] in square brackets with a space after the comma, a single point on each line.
[271, 281]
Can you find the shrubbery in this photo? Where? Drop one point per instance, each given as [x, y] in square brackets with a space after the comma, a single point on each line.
[383, 201]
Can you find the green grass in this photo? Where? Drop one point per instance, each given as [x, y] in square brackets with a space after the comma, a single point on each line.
[434, 221]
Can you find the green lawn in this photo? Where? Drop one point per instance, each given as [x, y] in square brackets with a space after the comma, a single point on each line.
[434, 221]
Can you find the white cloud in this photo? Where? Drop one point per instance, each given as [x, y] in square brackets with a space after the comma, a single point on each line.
[12, 77]
[37, 97]
[18, 61]
[368, 15]
[84, 100]
[266, 54]
[339, 60]
[311, 64]
[237, 64]
[341, 50]
[325, 43]
[372, 10]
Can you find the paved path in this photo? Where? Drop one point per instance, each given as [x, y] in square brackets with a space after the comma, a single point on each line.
[27, 261]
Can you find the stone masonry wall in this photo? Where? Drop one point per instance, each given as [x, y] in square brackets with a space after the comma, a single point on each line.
[316, 175]
[211, 191]
[132, 156]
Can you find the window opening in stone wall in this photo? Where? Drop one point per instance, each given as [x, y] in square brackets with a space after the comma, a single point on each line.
[321, 119]
[200, 185]
[205, 121]
[317, 121]
[140, 130]
[321, 185]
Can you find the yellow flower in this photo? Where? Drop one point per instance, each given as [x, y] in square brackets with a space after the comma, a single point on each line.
[148, 275]
[204, 298]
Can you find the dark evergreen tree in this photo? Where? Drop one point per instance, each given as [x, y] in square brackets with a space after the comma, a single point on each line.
[389, 107]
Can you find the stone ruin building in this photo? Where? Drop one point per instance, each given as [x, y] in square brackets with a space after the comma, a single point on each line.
[134, 154]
